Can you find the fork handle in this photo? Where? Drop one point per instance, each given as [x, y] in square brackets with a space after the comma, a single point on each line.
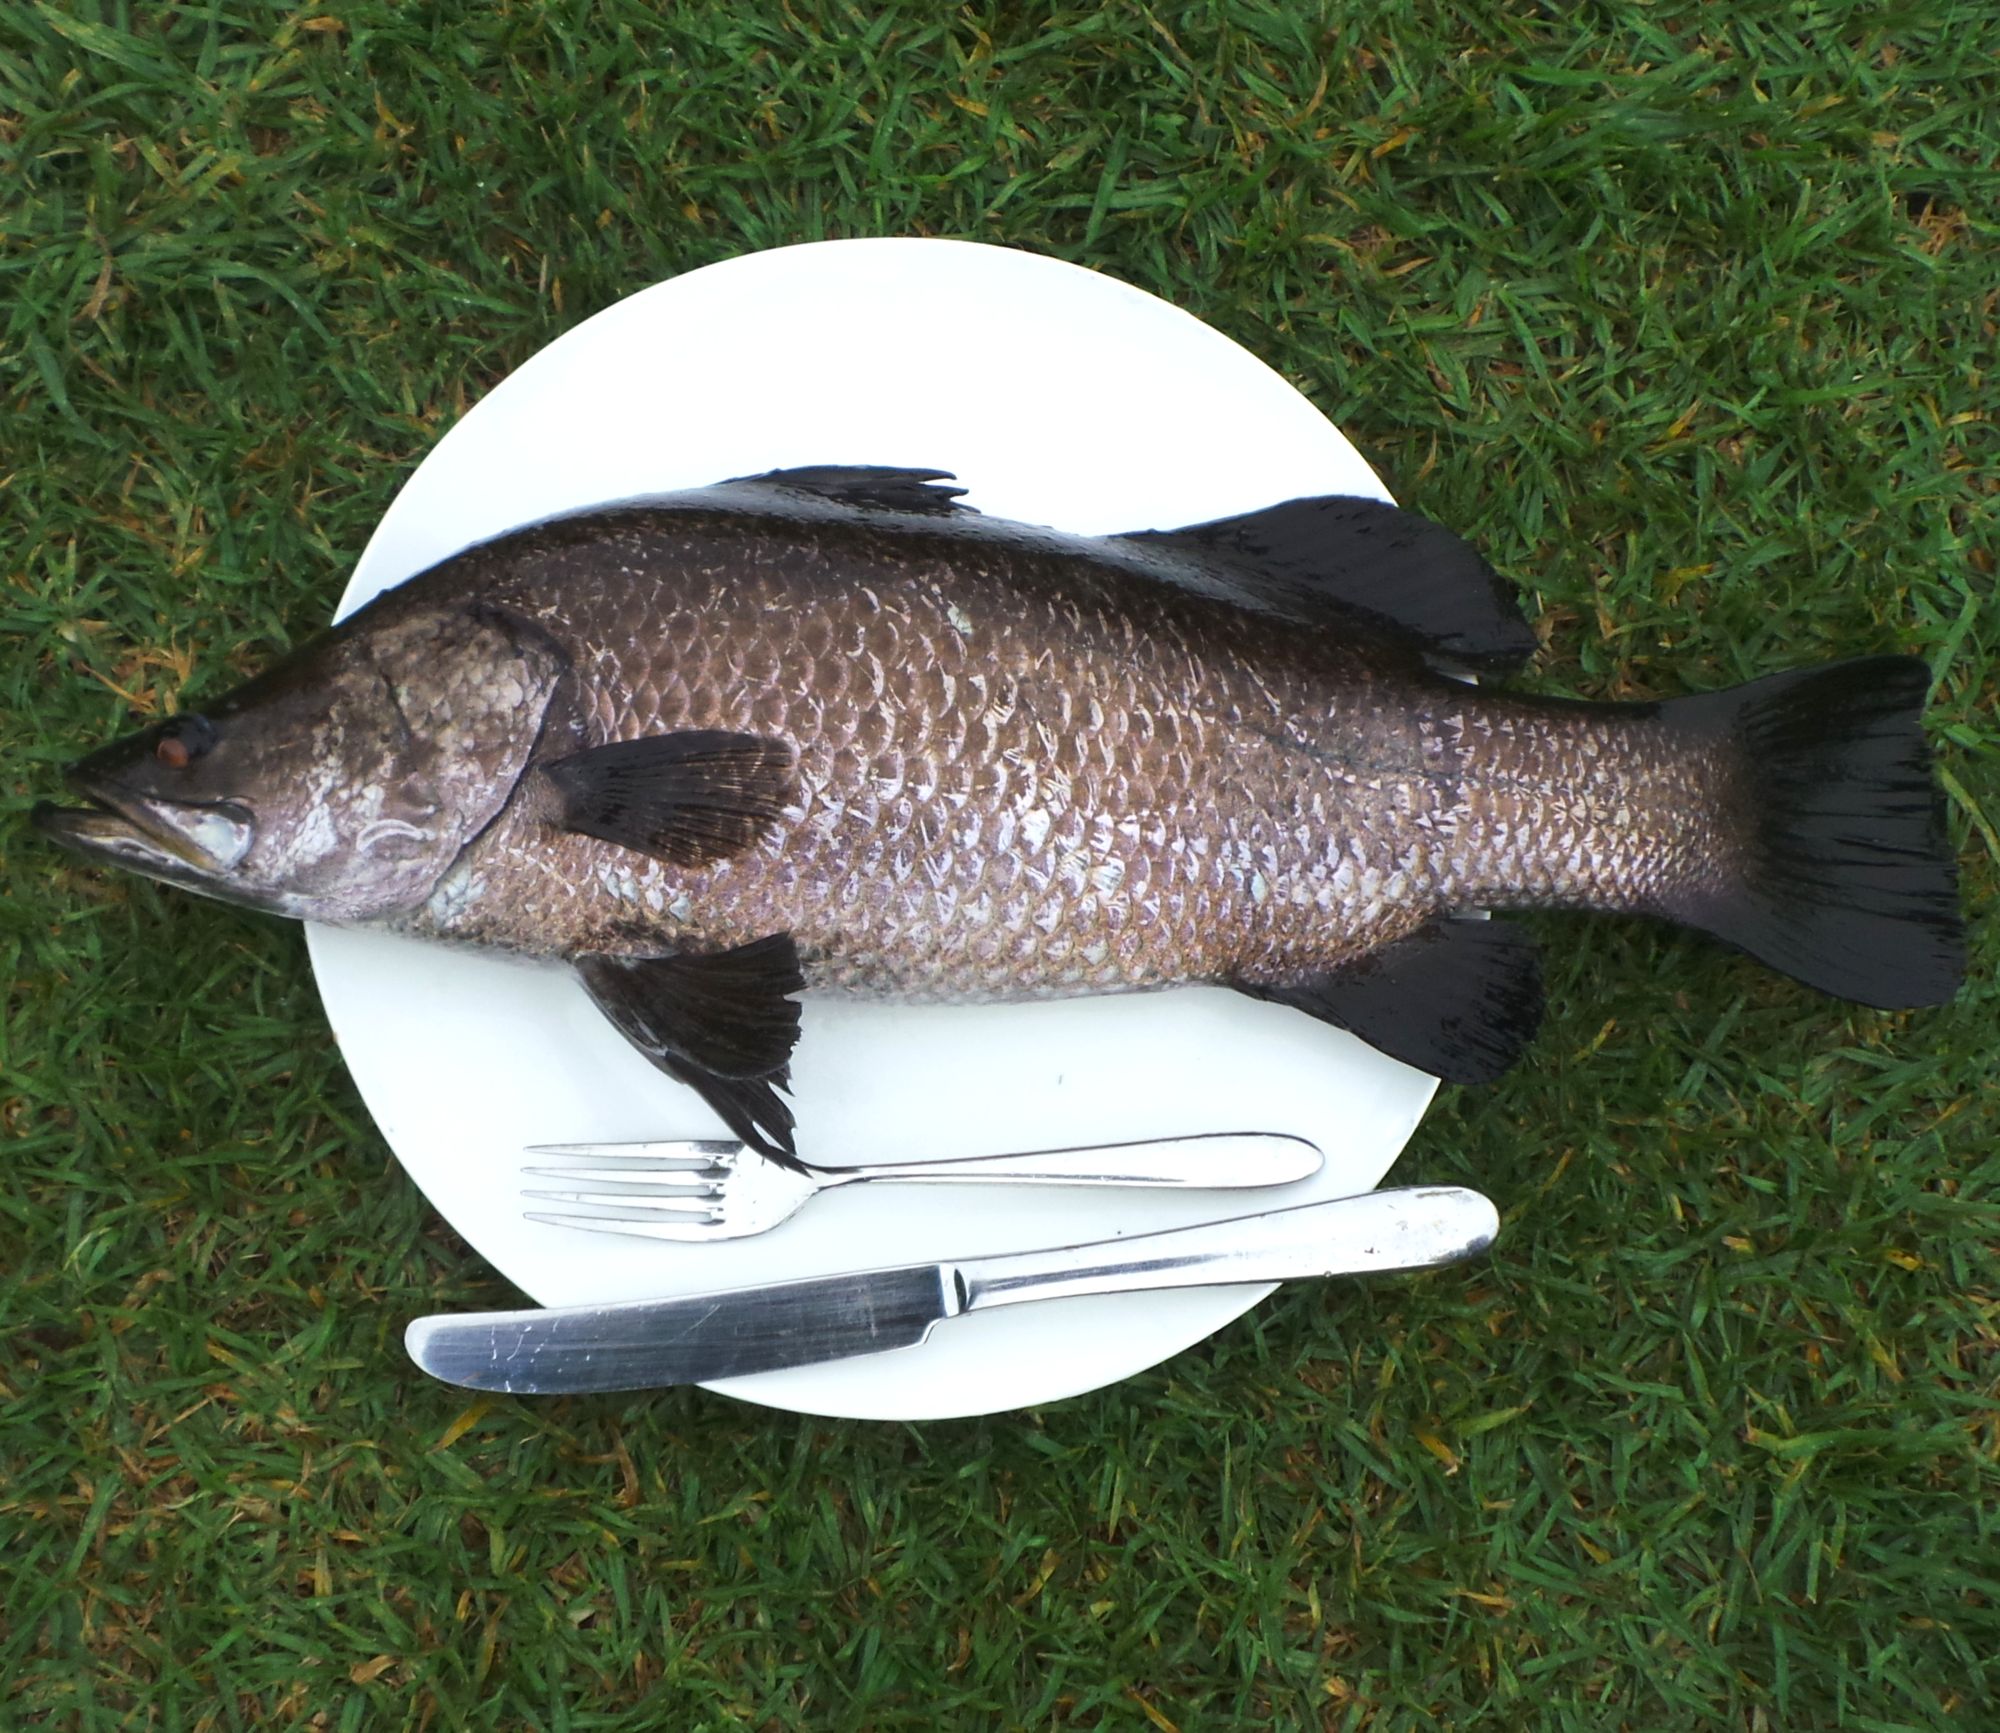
[1217, 1161]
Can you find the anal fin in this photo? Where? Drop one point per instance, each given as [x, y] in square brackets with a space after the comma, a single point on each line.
[1460, 999]
[723, 1024]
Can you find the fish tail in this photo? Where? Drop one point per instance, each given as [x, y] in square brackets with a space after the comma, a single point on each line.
[1843, 876]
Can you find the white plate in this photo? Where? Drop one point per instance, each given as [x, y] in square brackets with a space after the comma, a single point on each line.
[1058, 396]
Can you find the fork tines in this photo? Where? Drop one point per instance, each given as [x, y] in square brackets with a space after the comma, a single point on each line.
[682, 1178]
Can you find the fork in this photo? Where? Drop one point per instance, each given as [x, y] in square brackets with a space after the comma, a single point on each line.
[703, 1189]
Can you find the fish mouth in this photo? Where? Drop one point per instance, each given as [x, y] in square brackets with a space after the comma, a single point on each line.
[187, 843]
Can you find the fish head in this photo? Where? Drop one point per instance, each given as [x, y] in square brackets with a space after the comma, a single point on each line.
[340, 784]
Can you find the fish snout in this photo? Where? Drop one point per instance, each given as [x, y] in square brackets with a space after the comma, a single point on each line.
[138, 829]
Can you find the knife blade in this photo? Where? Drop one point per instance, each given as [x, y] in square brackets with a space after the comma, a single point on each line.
[699, 1338]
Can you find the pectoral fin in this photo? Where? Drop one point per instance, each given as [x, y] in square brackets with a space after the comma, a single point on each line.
[724, 1025]
[692, 798]
[1459, 998]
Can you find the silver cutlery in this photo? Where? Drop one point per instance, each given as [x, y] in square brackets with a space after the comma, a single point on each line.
[699, 1338]
[714, 1190]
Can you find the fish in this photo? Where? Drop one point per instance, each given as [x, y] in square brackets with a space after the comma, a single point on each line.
[830, 729]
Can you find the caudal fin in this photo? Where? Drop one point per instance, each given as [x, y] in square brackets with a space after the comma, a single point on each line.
[1846, 881]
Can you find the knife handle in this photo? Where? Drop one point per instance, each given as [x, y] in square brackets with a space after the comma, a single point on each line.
[1405, 1228]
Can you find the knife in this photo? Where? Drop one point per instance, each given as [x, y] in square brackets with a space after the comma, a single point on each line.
[698, 1338]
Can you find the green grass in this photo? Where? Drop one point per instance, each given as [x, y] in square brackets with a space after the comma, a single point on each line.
[1688, 313]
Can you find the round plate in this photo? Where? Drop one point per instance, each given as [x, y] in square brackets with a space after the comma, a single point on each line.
[1057, 396]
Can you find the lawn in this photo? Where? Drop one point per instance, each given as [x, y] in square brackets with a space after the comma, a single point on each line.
[1688, 314]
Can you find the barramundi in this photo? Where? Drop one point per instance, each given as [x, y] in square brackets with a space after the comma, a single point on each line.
[830, 729]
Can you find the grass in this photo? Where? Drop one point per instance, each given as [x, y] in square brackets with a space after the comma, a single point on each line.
[1688, 313]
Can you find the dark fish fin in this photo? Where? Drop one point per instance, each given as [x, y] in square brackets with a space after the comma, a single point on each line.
[692, 798]
[724, 1025]
[1459, 998]
[1846, 881]
[870, 487]
[1319, 560]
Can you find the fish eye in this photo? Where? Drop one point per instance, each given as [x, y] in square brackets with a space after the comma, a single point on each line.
[183, 740]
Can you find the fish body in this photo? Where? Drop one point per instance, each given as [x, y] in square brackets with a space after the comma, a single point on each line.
[827, 729]
[1030, 765]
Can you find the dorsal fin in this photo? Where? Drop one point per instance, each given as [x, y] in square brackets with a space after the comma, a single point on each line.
[871, 487]
[1319, 560]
